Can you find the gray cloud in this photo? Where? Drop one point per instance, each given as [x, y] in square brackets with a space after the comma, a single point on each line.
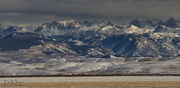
[39, 10]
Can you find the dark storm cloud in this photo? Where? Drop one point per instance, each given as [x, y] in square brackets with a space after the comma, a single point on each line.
[34, 10]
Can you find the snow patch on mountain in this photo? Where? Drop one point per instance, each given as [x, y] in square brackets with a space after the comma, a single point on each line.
[83, 65]
[137, 30]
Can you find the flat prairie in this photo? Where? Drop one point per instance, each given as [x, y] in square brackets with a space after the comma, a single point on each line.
[92, 82]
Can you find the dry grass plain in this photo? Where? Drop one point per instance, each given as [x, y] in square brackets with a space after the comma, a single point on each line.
[92, 82]
[94, 85]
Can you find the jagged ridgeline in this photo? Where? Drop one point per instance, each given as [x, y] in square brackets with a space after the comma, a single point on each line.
[72, 47]
[139, 38]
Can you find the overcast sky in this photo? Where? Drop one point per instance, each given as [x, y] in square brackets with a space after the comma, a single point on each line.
[36, 11]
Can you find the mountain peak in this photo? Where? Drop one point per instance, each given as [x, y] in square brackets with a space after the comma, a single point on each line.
[137, 23]
[153, 22]
[67, 22]
[172, 19]
[108, 22]
[171, 23]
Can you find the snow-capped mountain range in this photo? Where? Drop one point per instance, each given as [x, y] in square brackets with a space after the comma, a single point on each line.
[149, 38]
[74, 43]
